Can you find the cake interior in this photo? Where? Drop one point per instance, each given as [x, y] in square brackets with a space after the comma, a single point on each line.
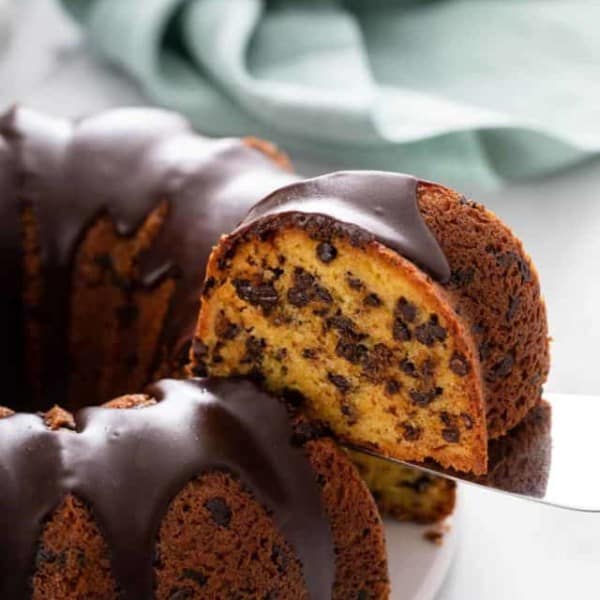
[355, 337]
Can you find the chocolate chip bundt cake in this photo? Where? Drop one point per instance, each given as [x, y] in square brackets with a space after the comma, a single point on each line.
[404, 316]
[197, 489]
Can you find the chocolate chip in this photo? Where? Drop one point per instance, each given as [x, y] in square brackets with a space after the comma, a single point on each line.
[323, 295]
[298, 297]
[219, 511]
[277, 272]
[351, 351]
[349, 411]
[255, 348]
[478, 328]
[326, 252]
[209, 284]
[195, 576]
[421, 484]
[226, 329]
[306, 289]
[407, 310]
[506, 259]
[485, 349]
[392, 387]
[383, 354]
[310, 353]
[346, 327]
[354, 282]
[424, 398]
[400, 330]
[379, 359]
[257, 294]
[293, 397]
[430, 332]
[501, 369]
[408, 367]
[451, 435]
[340, 382]
[524, 270]
[513, 305]
[372, 300]
[362, 595]
[459, 364]
[411, 432]
[446, 418]
[461, 277]
[279, 558]
[280, 354]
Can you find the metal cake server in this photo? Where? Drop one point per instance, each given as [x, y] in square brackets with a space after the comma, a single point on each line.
[552, 457]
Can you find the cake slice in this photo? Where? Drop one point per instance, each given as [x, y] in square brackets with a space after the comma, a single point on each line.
[405, 317]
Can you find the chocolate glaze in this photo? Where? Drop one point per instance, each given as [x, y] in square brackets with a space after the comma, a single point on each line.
[150, 453]
[382, 204]
[122, 163]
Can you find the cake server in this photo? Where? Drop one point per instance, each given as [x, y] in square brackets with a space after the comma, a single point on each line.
[552, 457]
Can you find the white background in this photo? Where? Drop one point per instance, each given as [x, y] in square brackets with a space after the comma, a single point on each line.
[509, 549]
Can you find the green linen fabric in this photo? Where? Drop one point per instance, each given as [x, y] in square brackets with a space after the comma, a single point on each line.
[475, 91]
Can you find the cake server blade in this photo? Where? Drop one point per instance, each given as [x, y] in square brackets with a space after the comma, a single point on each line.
[552, 457]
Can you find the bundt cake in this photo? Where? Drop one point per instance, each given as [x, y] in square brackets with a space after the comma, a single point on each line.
[199, 489]
[406, 317]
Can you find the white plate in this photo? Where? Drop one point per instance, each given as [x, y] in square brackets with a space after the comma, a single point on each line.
[417, 566]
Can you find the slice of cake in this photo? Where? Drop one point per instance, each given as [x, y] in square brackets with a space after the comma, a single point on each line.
[405, 317]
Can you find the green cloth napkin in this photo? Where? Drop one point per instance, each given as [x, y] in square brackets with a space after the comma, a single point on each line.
[460, 91]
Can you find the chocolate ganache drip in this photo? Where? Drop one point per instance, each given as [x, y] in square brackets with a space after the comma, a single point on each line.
[382, 204]
[125, 462]
[122, 163]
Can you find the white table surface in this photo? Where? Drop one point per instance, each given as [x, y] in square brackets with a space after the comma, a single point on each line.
[509, 549]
